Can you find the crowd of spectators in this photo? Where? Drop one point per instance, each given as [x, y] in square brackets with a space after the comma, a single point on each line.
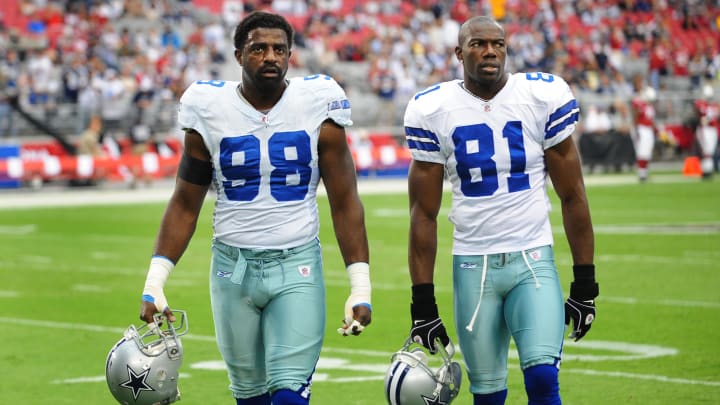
[121, 61]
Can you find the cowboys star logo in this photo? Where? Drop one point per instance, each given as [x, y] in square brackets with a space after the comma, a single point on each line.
[137, 382]
[433, 401]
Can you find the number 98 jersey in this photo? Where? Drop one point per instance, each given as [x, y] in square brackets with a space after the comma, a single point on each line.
[493, 153]
[265, 165]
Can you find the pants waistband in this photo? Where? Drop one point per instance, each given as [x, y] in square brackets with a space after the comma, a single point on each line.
[258, 254]
[500, 259]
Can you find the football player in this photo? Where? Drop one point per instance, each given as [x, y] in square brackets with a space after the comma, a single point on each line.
[643, 109]
[265, 143]
[706, 132]
[496, 135]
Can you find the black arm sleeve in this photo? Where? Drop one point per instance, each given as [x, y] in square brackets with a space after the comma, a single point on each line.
[195, 171]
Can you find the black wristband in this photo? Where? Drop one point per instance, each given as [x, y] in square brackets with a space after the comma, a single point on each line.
[584, 288]
[584, 272]
[423, 302]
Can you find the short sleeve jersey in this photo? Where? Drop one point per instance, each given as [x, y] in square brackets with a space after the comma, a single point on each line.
[493, 152]
[265, 166]
[708, 110]
[644, 112]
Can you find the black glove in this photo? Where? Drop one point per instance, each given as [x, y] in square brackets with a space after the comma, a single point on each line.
[580, 306]
[426, 323]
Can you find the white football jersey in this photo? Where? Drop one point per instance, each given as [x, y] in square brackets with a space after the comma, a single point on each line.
[265, 166]
[493, 152]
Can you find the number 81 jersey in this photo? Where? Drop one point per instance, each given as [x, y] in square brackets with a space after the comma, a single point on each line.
[493, 153]
[265, 165]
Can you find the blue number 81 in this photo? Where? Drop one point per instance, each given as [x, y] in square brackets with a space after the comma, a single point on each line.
[480, 159]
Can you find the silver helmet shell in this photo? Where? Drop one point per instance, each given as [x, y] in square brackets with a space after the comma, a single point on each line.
[142, 367]
[411, 381]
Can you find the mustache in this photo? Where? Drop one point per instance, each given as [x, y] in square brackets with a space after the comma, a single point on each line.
[271, 69]
[489, 64]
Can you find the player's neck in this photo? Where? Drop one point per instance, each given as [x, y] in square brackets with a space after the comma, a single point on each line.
[262, 101]
[484, 92]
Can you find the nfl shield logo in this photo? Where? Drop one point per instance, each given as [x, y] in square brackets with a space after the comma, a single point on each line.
[304, 270]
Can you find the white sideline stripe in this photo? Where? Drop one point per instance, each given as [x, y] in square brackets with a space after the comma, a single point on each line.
[633, 350]
[668, 303]
[322, 377]
[105, 329]
[650, 377]
[94, 379]
[90, 288]
[666, 229]
[339, 280]
[17, 229]
[86, 327]
[317, 377]
[161, 191]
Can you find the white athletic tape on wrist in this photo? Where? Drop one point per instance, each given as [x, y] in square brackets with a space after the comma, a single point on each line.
[360, 289]
[158, 273]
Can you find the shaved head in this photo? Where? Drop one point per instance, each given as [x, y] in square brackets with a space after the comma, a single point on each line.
[482, 51]
[476, 23]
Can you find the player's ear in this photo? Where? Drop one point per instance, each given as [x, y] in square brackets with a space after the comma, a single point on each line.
[238, 56]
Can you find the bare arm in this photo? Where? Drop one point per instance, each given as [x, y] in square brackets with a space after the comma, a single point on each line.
[181, 215]
[425, 182]
[565, 171]
[338, 174]
[179, 221]
[348, 215]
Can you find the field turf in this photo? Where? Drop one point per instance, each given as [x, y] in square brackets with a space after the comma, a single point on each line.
[71, 278]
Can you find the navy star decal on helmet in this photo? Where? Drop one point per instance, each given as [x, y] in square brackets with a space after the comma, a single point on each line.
[433, 401]
[137, 382]
[411, 381]
[142, 367]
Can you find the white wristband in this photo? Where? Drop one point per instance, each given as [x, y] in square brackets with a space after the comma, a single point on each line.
[158, 273]
[360, 289]
[359, 295]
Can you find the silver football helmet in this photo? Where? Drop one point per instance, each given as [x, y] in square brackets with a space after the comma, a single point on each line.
[411, 381]
[142, 368]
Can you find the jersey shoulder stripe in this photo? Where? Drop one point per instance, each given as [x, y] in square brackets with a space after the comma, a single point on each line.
[422, 139]
[561, 118]
[552, 91]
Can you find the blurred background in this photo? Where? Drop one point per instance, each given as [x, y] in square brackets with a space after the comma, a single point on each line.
[88, 88]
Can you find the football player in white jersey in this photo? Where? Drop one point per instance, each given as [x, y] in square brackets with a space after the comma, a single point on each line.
[496, 135]
[265, 143]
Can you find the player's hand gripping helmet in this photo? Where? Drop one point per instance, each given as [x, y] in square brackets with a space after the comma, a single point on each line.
[411, 381]
[142, 368]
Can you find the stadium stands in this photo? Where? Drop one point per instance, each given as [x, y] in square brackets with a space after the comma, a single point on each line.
[56, 57]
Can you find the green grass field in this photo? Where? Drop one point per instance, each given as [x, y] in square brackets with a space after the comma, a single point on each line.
[71, 278]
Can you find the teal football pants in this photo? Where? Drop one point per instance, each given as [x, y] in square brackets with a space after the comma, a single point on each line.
[269, 313]
[522, 298]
